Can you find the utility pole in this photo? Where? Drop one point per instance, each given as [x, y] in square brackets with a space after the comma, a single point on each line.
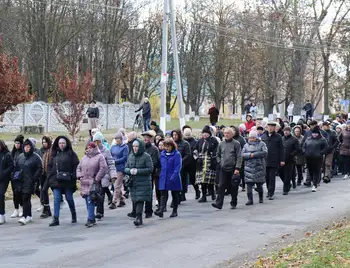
[164, 67]
[176, 63]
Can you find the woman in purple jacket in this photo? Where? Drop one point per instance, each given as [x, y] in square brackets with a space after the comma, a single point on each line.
[91, 169]
[170, 178]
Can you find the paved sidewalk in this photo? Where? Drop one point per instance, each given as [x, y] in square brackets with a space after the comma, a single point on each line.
[200, 237]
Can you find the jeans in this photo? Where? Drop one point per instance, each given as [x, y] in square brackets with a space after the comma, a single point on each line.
[146, 124]
[27, 205]
[90, 206]
[227, 182]
[57, 195]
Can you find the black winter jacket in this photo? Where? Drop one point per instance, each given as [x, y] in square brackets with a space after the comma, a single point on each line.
[332, 139]
[208, 146]
[31, 167]
[63, 161]
[275, 149]
[154, 153]
[315, 147]
[291, 148]
[6, 165]
[193, 143]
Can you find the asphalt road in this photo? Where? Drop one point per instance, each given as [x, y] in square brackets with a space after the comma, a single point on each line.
[200, 237]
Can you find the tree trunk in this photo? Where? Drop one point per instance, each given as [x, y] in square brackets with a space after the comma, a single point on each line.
[326, 84]
[268, 106]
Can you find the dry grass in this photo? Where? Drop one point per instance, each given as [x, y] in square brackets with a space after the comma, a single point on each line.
[328, 248]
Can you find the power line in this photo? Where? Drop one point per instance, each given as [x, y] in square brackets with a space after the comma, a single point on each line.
[270, 41]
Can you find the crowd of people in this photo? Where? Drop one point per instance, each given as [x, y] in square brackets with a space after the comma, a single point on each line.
[217, 163]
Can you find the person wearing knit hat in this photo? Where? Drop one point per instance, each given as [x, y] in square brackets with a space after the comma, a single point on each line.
[206, 163]
[98, 136]
[253, 134]
[109, 176]
[120, 153]
[314, 148]
[260, 131]
[275, 157]
[291, 149]
[91, 171]
[156, 129]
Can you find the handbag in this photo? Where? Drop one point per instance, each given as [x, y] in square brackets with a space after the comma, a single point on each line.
[95, 192]
[128, 181]
[63, 176]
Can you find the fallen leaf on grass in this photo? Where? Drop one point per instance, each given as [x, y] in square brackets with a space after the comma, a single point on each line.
[285, 235]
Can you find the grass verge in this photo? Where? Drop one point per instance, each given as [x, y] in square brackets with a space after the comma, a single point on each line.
[327, 248]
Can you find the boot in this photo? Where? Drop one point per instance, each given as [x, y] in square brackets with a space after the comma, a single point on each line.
[173, 214]
[204, 194]
[138, 221]
[131, 215]
[213, 196]
[55, 222]
[74, 217]
[203, 199]
[159, 212]
[46, 212]
[183, 196]
[261, 198]
[198, 193]
[250, 199]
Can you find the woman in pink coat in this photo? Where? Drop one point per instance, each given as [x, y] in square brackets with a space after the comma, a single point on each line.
[91, 168]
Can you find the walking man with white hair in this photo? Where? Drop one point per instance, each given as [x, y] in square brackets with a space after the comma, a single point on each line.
[229, 160]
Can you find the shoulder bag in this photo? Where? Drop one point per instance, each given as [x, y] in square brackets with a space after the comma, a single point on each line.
[61, 175]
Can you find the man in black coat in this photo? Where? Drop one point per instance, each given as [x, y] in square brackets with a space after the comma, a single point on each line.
[291, 149]
[185, 150]
[333, 142]
[154, 153]
[275, 157]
